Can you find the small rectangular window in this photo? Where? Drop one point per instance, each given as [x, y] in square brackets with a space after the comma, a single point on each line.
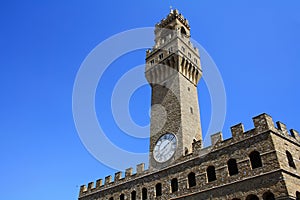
[191, 109]
[170, 50]
[189, 55]
[195, 60]
[161, 56]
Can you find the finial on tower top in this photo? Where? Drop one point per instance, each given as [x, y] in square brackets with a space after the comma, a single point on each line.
[171, 9]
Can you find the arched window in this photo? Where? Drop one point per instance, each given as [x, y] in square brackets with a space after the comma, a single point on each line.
[232, 167]
[111, 198]
[182, 31]
[192, 179]
[144, 194]
[255, 159]
[122, 197]
[211, 174]
[158, 189]
[297, 195]
[133, 195]
[290, 159]
[268, 196]
[174, 185]
[252, 197]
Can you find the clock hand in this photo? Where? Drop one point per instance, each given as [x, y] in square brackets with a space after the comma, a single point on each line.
[168, 143]
[164, 148]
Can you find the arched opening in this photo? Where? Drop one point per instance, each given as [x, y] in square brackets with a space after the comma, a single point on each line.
[297, 195]
[255, 159]
[183, 31]
[252, 197]
[111, 198]
[158, 191]
[192, 179]
[186, 151]
[144, 194]
[290, 159]
[133, 195]
[174, 185]
[236, 199]
[268, 196]
[232, 167]
[211, 174]
[122, 197]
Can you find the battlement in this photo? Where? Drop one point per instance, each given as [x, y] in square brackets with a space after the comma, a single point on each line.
[262, 123]
[118, 177]
[174, 14]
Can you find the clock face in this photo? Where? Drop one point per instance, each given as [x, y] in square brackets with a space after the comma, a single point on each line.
[165, 147]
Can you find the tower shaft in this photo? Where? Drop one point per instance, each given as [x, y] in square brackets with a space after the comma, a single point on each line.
[173, 71]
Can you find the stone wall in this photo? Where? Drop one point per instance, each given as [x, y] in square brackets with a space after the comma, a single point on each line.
[275, 175]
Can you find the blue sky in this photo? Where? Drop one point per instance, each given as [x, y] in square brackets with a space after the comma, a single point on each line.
[255, 44]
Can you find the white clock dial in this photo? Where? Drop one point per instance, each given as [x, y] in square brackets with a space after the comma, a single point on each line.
[165, 147]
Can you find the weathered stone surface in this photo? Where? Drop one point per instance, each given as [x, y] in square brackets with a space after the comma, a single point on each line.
[275, 175]
[173, 70]
[261, 161]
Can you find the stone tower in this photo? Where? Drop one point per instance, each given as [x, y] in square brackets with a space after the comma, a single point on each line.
[261, 163]
[173, 71]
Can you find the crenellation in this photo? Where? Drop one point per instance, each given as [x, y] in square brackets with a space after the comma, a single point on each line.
[83, 189]
[263, 122]
[118, 176]
[140, 168]
[128, 172]
[196, 146]
[261, 163]
[216, 138]
[295, 134]
[282, 127]
[237, 130]
[99, 183]
[200, 159]
[90, 186]
[108, 180]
